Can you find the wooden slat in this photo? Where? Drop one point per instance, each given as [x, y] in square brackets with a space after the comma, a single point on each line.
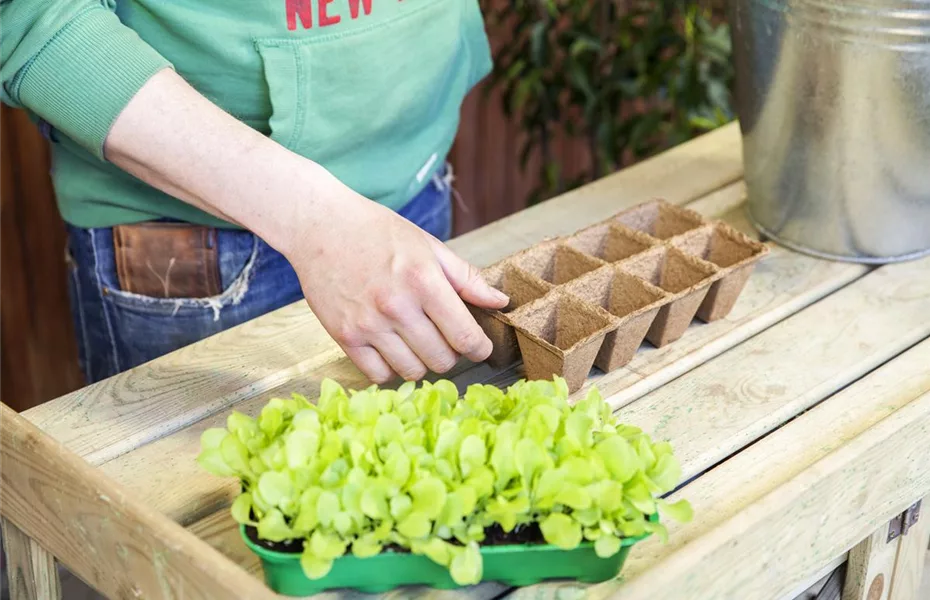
[105, 420]
[30, 570]
[119, 546]
[909, 564]
[870, 567]
[733, 400]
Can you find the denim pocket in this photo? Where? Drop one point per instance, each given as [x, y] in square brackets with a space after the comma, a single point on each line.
[240, 259]
[377, 105]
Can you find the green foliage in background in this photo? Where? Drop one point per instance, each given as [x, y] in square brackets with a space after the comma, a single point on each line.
[422, 469]
[630, 77]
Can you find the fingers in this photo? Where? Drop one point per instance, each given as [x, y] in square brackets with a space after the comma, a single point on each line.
[370, 363]
[401, 358]
[456, 323]
[466, 279]
[422, 336]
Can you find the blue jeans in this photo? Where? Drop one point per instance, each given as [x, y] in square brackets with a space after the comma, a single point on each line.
[118, 330]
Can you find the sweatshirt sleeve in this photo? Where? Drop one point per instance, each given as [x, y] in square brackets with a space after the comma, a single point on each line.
[73, 63]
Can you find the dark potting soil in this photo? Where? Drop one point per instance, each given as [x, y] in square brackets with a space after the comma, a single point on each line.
[494, 536]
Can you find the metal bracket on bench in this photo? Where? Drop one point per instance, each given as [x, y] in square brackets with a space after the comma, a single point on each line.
[900, 524]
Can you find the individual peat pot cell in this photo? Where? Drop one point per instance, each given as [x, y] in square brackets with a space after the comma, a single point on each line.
[555, 263]
[736, 256]
[560, 335]
[660, 219]
[610, 242]
[521, 288]
[634, 302]
[684, 277]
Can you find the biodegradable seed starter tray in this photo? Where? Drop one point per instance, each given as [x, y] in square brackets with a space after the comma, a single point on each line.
[591, 298]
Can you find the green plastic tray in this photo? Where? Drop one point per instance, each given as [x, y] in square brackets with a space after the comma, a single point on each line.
[514, 565]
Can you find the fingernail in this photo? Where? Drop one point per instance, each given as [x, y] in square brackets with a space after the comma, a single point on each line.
[499, 295]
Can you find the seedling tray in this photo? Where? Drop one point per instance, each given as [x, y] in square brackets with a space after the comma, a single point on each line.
[592, 298]
[513, 565]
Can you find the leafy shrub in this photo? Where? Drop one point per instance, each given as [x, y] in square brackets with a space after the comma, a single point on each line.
[420, 469]
[629, 77]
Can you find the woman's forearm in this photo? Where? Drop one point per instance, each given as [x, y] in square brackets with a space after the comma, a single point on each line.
[174, 139]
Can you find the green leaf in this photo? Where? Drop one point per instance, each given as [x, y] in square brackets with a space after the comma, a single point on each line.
[435, 549]
[680, 511]
[658, 529]
[472, 454]
[415, 525]
[326, 546]
[343, 523]
[619, 458]
[212, 438]
[313, 567]
[327, 507]
[301, 445]
[273, 527]
[366, 546]
[241, 508]
[212, 462]
[270, 421]
[584, 44]
[666, 474]
[466, 565]
[578, 427]
[538, 43]
[374, 504]
[235, 454]
[607, 545]
[573, 496]
[388, 428]
[275, 487]
[529, 458]
[561, 531]
[429, 496]
[397, 469]
[401, 506]
[638, 494]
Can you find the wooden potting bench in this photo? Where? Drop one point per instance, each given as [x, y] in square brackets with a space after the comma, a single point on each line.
[802, 422]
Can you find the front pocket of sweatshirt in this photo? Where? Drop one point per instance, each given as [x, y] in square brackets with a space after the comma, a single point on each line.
[376, 106]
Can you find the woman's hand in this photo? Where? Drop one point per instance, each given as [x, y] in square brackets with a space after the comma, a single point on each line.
[390, 294]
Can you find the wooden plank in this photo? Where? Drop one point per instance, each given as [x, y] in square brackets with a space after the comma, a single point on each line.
[117, 545]
[790, 532]
[766, 465]
[31, 571]
[870, 567]
[112, 417]
[788, 368]
[909, 564]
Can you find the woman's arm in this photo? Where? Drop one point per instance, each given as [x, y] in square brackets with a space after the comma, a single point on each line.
[390, 294]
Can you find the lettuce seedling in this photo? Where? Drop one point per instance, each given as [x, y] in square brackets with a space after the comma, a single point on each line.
[421, 469]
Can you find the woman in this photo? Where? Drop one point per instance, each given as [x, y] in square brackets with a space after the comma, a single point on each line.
[216, 160]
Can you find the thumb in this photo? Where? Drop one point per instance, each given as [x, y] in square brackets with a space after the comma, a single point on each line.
[466, 279]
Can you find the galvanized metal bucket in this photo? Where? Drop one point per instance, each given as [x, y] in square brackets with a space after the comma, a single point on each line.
[833, 98]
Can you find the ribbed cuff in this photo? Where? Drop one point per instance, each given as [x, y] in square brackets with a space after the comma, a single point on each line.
[84, 77]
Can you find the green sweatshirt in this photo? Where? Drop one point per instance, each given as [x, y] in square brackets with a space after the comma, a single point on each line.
[370, 89]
